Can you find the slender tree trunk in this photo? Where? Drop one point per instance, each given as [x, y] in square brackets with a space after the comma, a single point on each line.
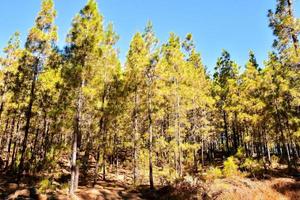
[33, 149]
[195, 161]
[104, 132]
[135, 139]
[73, 163]
[235, 133]
[12, 164]
[4, 135]
[104, 155]
[117, 165]
[268, 152]
[45, 136]
[10, 141]
[202, 152]
[1, 108]
[293, 34]
[101, 130]
[28, 118]
[97, 165]
[226, 131]
[283, 139]
[85, 159]
[295, 150]
[15, 149]
[76, 133]
[178, 134]
[150, 138]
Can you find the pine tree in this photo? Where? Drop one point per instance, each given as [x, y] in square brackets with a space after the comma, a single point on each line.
[285, 67]
[150, 75]
[224, 82]
[201, 101]
[83, 53]
[173, 75]
[13, 87]
[285, 26]
[104, 86]
[251, 114]
[39, 44]
[137, 61]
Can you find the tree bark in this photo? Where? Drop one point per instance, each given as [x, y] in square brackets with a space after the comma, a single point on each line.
[294, 36]
[178, 134]
[135, 139]
[226, 131]
[77, 126]
[150, 138]
[28, 118]
[10, 141]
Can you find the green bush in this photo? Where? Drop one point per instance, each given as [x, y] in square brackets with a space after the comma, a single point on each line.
[274, 161]
[254, 167]
[64, 186]
[251, 166]
[166, 175]
[240, 154]
[44, 185]
[213, 173]
[230, 167]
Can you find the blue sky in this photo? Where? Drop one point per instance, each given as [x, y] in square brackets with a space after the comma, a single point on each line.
[234, 25]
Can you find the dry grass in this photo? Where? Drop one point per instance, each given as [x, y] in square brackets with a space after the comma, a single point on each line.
[120, 187]
[239, 188]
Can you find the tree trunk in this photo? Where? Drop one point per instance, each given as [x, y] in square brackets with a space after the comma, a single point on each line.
[10, 141]
[97, 165]
[104, 158]
[73, 164]
[15, 149]
[135, 140]
[202, 152]
[150, 138]
[178, 134]
[28, 118]
[293, 35]
[226, 131]
[76, 133]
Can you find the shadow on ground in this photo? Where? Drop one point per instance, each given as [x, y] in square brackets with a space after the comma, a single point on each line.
[289, 189]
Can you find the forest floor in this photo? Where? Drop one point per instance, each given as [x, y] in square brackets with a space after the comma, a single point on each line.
[278, 184]
[237, 188]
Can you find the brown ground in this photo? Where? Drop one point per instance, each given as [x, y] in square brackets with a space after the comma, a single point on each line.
[246, 189]
[275, 186]
[231, 188]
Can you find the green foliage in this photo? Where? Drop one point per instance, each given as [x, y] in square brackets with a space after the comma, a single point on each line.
[274, 161]
[230, 167]
[64, 186]
[45, 185]
[252, 166]
[213, 173]
[166, 175]
[240, 154]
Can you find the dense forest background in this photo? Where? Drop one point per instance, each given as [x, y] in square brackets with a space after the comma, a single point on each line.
[161, 115]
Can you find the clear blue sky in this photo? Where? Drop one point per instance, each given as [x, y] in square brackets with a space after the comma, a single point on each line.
[235, 25]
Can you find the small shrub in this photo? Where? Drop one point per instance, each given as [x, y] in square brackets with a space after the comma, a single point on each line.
[166, 175]
[45, 184]
[230, 167]
[64, 186]
[213, 173]
[240, 154]
[248, 164]
[274, 161]
[251, 166]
